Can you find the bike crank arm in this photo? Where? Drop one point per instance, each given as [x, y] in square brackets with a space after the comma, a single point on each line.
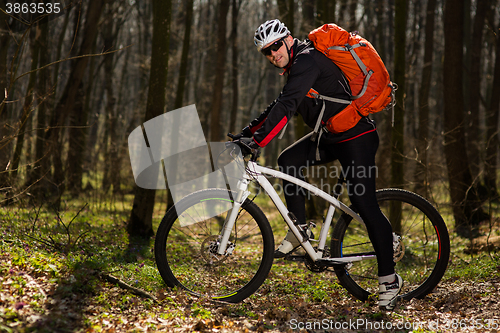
[343, 260]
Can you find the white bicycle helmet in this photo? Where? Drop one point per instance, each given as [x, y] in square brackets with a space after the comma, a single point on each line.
[269, 31]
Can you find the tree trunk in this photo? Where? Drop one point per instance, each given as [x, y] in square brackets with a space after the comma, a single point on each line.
[380, 41]
[234, 66]
[69, 96]
[397, 155]
[466, 206]
[308, 20]
[140, 223]
[492, 116]
[286, 9]
[220, 68]
[204, 87]
[353, 4]
[77, 137]
[397, 139]
[78, 130]
[111, 177]
[45, 93]
[5, 132]
[325, 11]
[343, 10]
[183, 68]
[474, 141]
[421, 172]
[179, 97]
[283, 12]
[27, 107]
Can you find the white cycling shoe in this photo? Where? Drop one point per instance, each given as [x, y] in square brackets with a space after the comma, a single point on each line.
[289, 244]
[388, 293]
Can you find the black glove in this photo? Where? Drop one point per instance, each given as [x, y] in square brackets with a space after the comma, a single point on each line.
[250, 143]
[245, 133]
[248, 146]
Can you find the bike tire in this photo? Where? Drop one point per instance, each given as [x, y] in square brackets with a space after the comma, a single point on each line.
[185, 241]
[424, 236]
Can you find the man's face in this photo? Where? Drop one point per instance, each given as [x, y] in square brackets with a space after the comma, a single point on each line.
[278, 56]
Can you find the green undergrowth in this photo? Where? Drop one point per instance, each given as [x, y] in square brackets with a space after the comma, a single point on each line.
[78, 240]
[73, 248]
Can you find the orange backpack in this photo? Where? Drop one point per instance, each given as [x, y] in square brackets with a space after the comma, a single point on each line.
[371, 88]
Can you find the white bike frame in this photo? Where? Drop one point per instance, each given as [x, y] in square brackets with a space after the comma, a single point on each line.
[257, 172]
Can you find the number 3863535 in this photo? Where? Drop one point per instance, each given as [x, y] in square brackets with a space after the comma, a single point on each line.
[32, 8]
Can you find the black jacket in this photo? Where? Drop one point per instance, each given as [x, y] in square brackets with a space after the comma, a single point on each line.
[309, 69]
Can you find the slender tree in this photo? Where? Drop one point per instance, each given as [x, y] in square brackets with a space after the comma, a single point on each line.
[140, 223]
[183, 68]
[397, 156]
[308, 18]
[181, 83]
[325, 11]
[45, 95]
[286, 10]
[379, 41]
[421, 176]
[234, 65]
[352, 26]
[466, 206]
[5, 132]
[474, 141]
[28, 106]
[397, 140]
[111, 28]
[492, 116]
[70, 94]
[220, 68]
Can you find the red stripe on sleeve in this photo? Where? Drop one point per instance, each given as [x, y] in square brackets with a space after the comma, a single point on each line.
[256, 127]
[273, 133]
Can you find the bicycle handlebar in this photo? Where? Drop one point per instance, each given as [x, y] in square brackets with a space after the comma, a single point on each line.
[245, 149]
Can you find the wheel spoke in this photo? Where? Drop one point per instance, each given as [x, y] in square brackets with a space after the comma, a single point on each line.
[186, 248]
[422, 256]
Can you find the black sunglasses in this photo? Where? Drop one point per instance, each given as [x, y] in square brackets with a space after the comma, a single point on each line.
[273, 47]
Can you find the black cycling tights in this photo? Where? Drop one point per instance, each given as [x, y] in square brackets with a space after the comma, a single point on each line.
[357, 157]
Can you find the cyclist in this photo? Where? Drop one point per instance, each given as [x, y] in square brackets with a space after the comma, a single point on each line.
[307, 68]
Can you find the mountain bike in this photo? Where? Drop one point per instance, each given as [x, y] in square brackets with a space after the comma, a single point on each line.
[218, 243]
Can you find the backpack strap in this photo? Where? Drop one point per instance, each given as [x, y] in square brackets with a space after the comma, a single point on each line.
[322, 112]
[350, 48]
[365, 85]
[318, 129]
[362, 66]
[330, 99]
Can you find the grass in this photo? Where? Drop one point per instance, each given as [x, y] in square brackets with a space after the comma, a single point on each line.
[73, 247]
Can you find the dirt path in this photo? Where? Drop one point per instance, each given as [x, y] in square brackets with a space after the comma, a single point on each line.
[31, 300]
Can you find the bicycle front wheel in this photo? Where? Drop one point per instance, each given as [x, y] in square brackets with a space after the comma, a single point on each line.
[187, 240]
[421, 255]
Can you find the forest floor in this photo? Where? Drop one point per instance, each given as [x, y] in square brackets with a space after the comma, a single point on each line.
[50, 284]
[46, 306]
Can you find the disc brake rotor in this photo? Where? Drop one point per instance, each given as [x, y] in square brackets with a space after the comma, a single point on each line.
[209, 249]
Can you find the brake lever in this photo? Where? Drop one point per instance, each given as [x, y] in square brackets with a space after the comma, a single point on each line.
[254, 152]
[230, 143]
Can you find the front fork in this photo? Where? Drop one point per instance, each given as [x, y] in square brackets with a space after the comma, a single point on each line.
[241, 196]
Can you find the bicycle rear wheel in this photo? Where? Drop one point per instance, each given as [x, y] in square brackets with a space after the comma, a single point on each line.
[421, 259]
[186, 245]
